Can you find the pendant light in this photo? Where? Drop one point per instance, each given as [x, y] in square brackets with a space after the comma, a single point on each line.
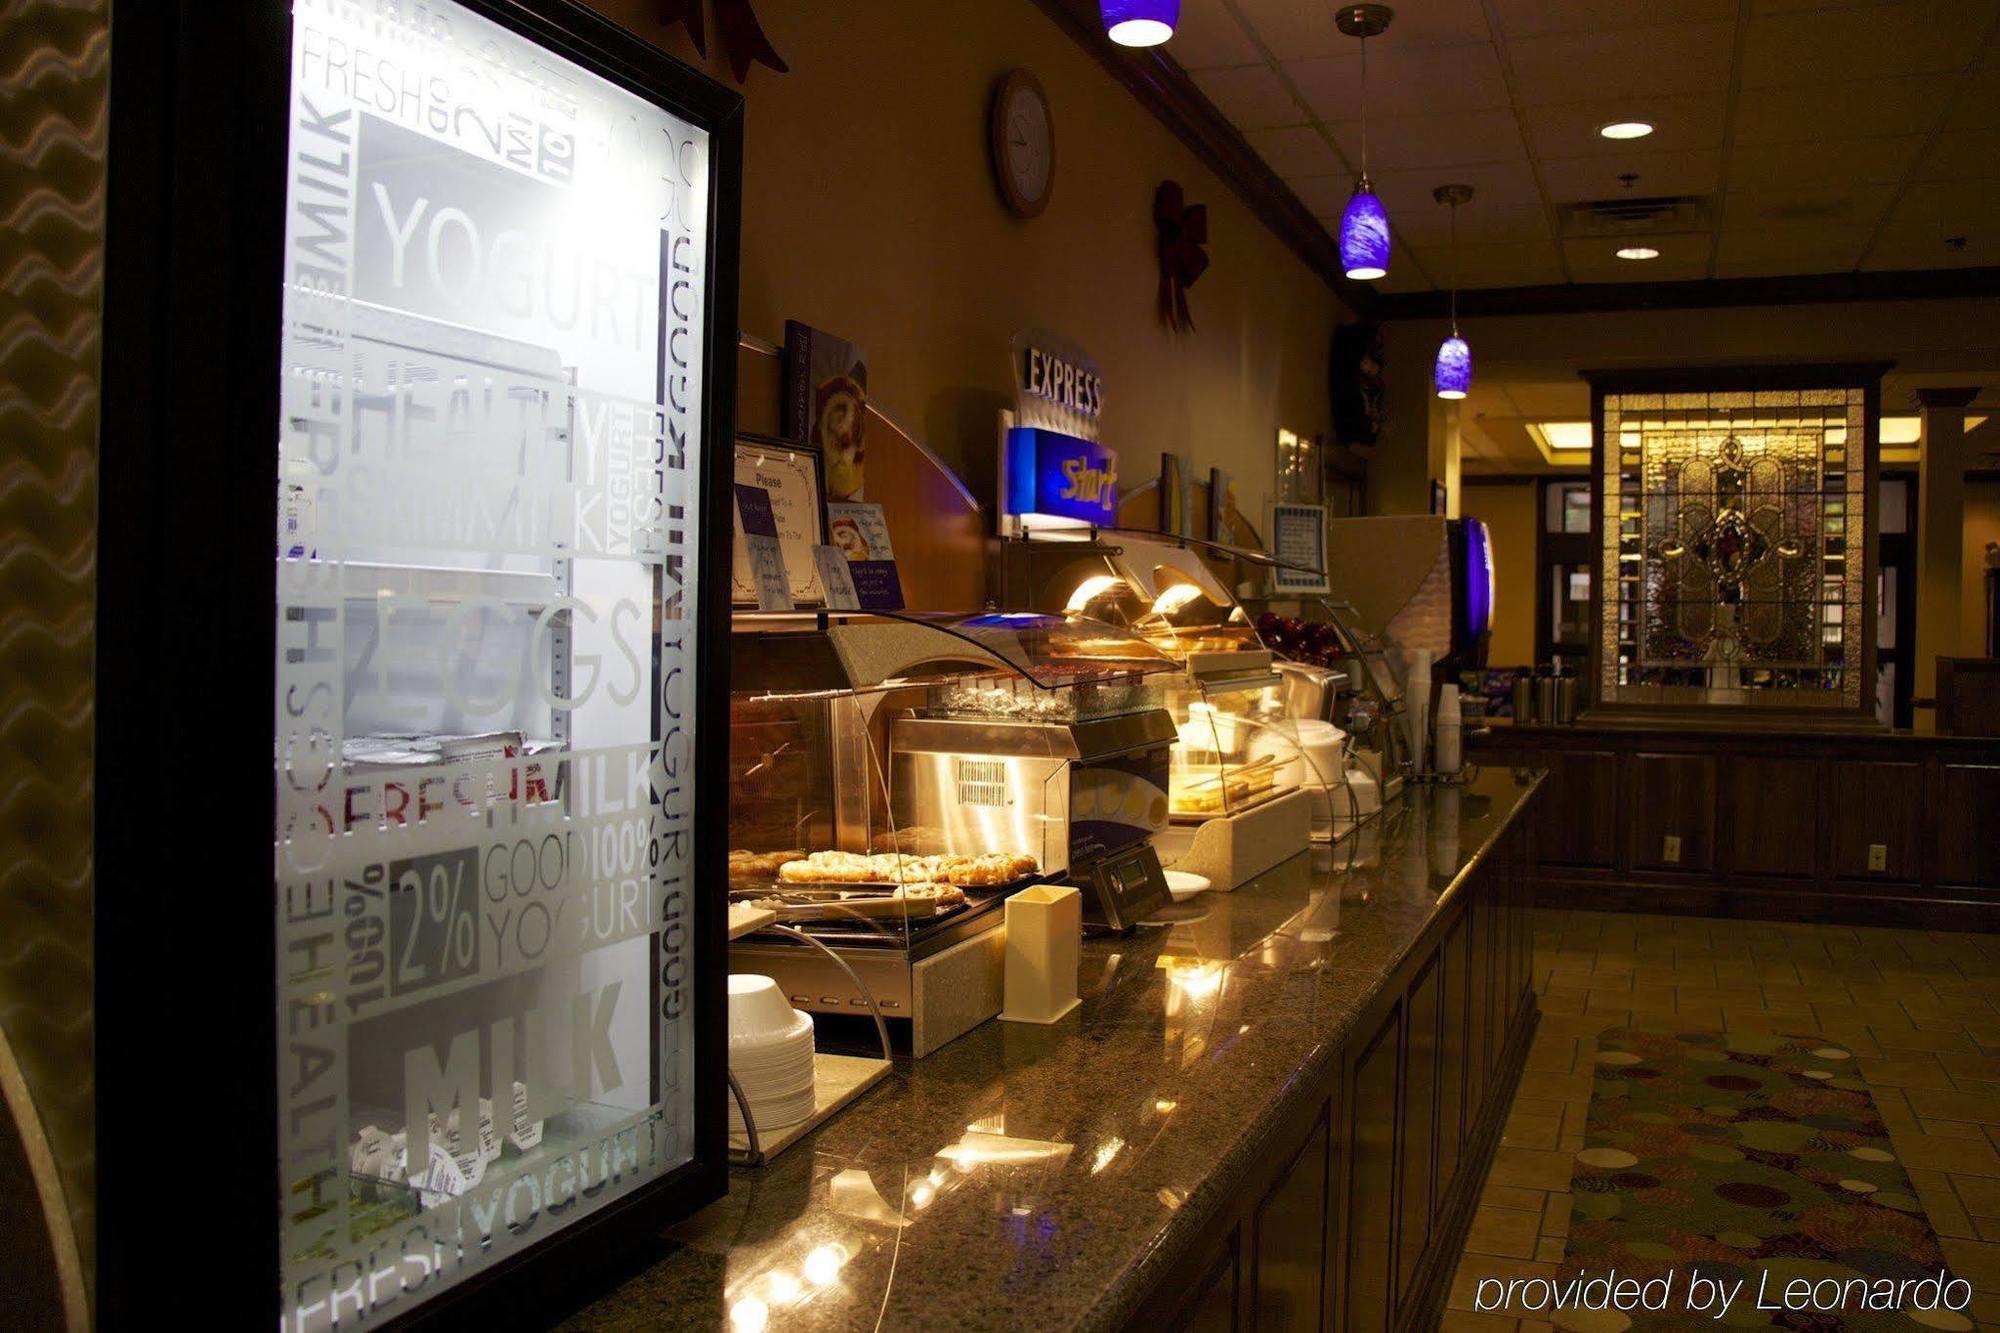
[1139, 22]
[1453, 373]
[1364, 226]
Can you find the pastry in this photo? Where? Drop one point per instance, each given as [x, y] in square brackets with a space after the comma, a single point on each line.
[984, 870]
[744, 865]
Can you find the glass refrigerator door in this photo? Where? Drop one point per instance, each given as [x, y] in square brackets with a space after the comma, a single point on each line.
[488, 525]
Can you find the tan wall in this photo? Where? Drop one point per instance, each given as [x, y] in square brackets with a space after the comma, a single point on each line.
[1982, 525]
[1510, 511]
[870, 211]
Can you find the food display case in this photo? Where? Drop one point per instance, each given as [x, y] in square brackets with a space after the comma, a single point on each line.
[1240, 763]
[894, 777]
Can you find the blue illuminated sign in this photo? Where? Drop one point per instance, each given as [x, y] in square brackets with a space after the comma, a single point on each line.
[1060, 475]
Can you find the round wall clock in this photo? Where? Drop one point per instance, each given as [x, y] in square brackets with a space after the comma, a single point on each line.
[1024, 143]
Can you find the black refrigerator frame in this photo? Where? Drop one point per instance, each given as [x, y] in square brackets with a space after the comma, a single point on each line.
[186, 994]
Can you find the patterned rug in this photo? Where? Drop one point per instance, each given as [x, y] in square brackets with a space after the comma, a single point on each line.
[1713, 1160]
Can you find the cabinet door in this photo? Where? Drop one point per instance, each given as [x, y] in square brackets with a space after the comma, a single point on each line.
[1670, 812]
[1371, 1179]
[1479, 983]
[1419, 1120]
[1291, 1239]
[1877, 820]
[1770, 808]
[1578, 821]
[1212, 1307]
[1454, 961]
[1968, 844]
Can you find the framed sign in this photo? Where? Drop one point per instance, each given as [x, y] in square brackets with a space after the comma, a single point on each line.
[1298, 539]
[792, 476]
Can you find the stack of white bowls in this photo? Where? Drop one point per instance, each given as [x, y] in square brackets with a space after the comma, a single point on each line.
[771, 1054]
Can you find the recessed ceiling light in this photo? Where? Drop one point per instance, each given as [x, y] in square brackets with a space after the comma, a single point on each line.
[1626, 129]
[1566, 436]
[1638, 252]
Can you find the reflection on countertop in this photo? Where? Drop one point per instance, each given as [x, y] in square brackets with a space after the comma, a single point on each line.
[1045, 1177]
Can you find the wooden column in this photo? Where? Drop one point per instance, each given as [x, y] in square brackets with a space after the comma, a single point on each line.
[1940, 537]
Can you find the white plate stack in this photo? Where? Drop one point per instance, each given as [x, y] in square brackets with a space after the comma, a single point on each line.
[771, 1054]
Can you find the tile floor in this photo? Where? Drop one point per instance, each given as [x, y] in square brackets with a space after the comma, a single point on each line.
[1921, 1010]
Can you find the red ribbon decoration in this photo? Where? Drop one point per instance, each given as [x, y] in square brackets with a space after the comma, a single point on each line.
[1183, 229]
[743, 39]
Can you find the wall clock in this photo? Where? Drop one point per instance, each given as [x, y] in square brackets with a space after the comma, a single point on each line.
[1024, 143]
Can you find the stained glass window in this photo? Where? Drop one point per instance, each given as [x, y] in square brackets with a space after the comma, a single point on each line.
[1734, 547]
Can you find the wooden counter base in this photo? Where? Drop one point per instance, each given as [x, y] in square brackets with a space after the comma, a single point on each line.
[1359, 1216]
[1883, 829]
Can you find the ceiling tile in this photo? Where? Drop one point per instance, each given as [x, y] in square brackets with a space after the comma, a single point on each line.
[1826, 206]
[1824, 249]
[1962, 155]
[1568, 401]
[1407, 143]
[1431, 81]
[1917, 246]
[1879, 41]
[1540, 18]
[1978, 104]
[1497, 187]
[1595, 260]
[1208, 37]
[1326, 196]
[1680, 124]
[1856, 110]
[1485, 400]
[1631, 62]
[1298, 150]
[1403, 276]
[1517, 264]
[1581, 178]
[1253, 97]
[1761, 7]
[1811, 164]
[1292, 30]
[1480, 222]
[1947, 207]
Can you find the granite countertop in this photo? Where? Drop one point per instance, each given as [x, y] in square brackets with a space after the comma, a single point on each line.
[1046, 1176]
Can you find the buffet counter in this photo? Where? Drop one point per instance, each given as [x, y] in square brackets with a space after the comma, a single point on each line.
[1285, 1099]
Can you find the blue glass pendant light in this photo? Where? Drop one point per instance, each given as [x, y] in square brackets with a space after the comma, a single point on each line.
[1364, 226]
[1139, 22]
[1452, 375]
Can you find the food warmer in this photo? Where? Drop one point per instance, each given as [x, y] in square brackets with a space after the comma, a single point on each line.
[1241, 764]
[894, 777]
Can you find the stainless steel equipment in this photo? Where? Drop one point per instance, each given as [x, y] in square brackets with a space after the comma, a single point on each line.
[862, 744]
[1085, 793]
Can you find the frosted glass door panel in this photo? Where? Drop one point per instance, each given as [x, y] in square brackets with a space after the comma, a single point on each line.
[487, 510]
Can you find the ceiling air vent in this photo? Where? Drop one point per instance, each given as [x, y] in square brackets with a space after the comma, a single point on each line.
[1625, 216]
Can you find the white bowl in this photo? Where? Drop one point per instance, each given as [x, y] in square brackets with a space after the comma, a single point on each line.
[1183, 884]
[776, 1090]
[767, 1047]
[785, 1065]
[775, 1114]
[758, 1010]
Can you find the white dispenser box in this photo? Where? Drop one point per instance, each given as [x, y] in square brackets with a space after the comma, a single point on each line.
[1044, 950]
